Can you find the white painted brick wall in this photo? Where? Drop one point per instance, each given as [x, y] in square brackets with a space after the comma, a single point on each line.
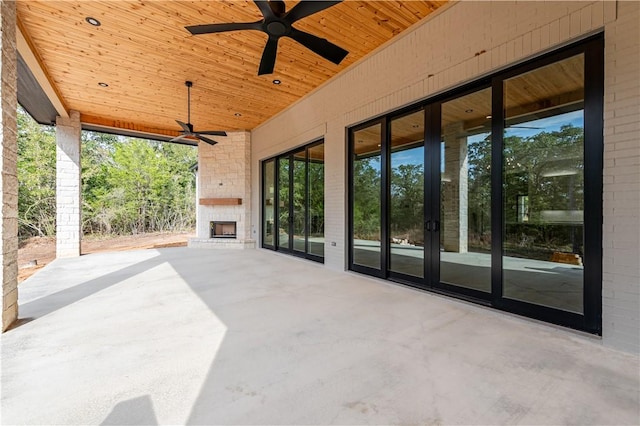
[68, 186]
[621, 255]
[457, 44]
[224, 172]
[8, 159]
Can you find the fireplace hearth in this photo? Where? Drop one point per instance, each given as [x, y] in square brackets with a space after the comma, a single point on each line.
[223, 229]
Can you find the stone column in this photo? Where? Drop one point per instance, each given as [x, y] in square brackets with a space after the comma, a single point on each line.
[224, 172]
[455, 222]
[68, 186]
[8, 158]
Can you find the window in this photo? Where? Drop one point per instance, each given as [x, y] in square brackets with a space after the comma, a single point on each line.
[492, 192]
[293, 202]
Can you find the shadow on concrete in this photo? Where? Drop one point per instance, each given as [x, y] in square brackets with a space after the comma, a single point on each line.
[283, 359]
[50, 303]
[136, 411]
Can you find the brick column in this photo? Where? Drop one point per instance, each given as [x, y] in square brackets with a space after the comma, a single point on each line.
[8, 158]
[68, 186]
[455, 222]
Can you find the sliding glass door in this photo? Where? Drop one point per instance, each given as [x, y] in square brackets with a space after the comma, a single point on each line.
[492, 193]
[297, 179]
[406, 195]
[366, 206]
[465, 193]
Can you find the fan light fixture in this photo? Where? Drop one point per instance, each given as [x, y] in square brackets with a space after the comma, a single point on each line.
[92, 21]
[187, 128]
[277, 22]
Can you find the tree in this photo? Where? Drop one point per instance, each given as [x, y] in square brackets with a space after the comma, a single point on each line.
[128, 185]
[36, 166]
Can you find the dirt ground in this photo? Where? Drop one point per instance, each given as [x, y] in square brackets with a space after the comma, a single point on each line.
[36, 252]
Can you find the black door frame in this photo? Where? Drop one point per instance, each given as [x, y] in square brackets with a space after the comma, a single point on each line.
[591, 319]
[289, 157]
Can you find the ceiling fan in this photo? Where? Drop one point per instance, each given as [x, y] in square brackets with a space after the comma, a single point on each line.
[187, 128]
[276, 23]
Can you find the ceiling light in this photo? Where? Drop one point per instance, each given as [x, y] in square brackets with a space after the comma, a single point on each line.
[101, 84]
[92, 21]
[488, 117]
[468, 110]
[237, 114]
[416, 126]
[276, 81]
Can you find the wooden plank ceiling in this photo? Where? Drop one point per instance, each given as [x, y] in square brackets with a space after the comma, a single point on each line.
[144, 54]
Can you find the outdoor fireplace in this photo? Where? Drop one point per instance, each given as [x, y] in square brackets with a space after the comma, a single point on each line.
[223, 229]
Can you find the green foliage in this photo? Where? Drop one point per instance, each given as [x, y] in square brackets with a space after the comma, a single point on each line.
[128, 185]
[407, 206]
[142, 186]
[366, 198]
[36, 177]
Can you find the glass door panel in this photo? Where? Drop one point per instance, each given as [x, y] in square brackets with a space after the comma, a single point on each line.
[465, 192]
[406, 206]
[269, 200]
[543, 181]
[366, 209]
[315, 172]
[299, 189]
[283, 203]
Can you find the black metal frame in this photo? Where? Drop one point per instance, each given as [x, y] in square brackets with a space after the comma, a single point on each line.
[350, 154]
[288, 156]
[591, 320]
[263, 180]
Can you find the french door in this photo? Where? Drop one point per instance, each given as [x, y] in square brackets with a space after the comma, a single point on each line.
[293, 202]
[492, 193]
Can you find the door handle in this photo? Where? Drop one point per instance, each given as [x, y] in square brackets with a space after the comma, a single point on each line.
[427, 225]
[436, 225]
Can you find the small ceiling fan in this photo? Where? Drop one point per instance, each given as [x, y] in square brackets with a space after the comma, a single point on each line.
[276, 23]
[187, 128]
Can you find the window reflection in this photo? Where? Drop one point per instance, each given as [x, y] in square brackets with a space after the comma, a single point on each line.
[465, 192]
[366, 196]
[268, 200]
[543, 181]
[406, 225]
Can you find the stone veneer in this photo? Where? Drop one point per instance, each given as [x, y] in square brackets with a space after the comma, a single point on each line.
[8, 159]
[224, 172]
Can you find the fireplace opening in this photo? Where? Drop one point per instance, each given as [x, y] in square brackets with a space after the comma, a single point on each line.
[223, 229]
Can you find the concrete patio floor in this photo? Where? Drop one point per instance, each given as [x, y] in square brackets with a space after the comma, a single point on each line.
[187, 336]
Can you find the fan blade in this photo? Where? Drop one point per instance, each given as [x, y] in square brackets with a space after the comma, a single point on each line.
[321, 46]
[207, 140]
[220, 28]
[268, 60]
[185, 127]
[213, 132]
[306, 8]
[178, 138]
[266, 10]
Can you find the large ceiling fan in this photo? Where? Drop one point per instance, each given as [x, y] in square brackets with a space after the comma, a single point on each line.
[277, 22]
[187, 128]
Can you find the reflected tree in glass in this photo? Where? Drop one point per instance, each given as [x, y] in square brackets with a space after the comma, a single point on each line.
[316, 200]
[268, 199]
[366, 196]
